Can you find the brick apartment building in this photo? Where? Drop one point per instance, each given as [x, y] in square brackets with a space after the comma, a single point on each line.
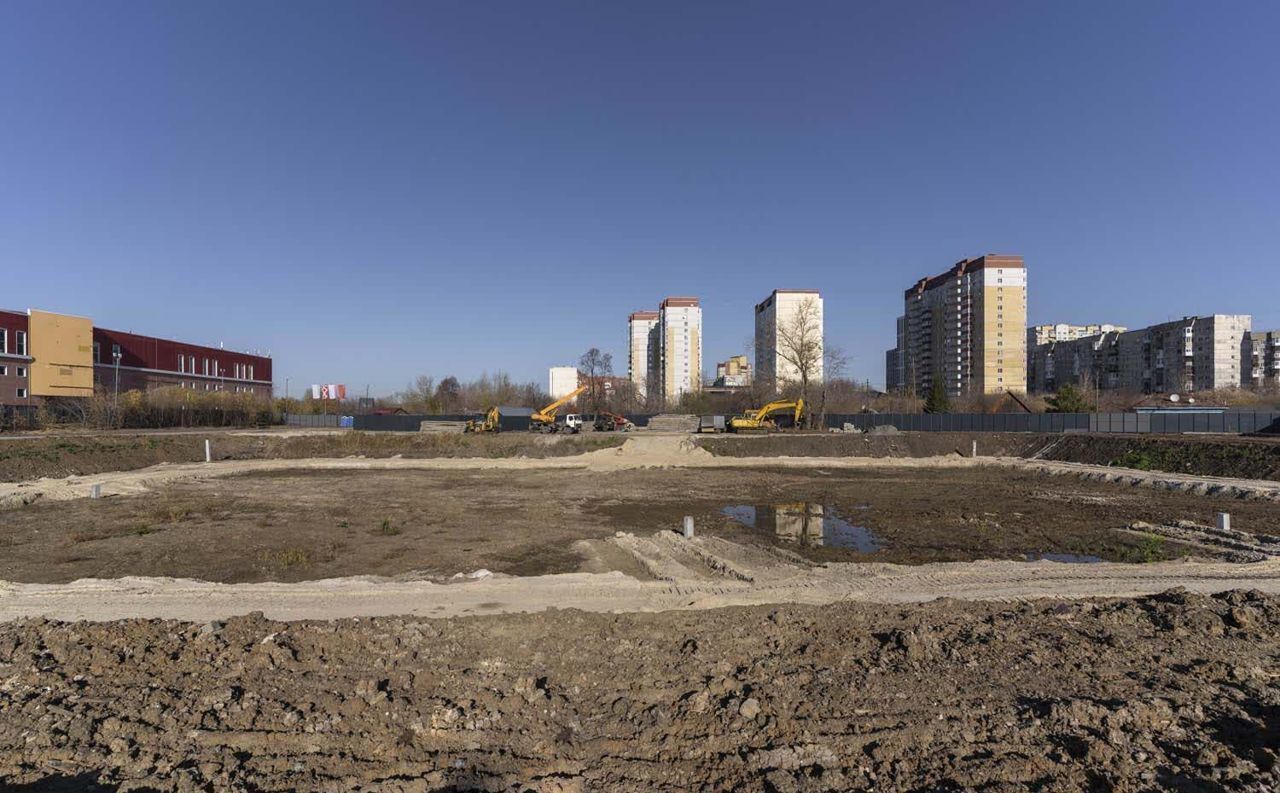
[45, 355]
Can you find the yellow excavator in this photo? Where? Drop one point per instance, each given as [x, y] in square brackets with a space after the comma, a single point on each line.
[545, 420]
[765, 418]
[492, 422]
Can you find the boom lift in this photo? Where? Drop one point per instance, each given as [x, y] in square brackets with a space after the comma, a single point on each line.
[608, 422]
[545, 420]
[764, 418]
[492, 422]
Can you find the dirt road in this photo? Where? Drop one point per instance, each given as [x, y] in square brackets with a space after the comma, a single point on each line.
[702, 573]
[658, 451]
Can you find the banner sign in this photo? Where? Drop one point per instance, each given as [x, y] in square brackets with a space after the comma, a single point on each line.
[329, 391]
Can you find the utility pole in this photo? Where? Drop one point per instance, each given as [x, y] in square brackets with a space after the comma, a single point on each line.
[115, 396]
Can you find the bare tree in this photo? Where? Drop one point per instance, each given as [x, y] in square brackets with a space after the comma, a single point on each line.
[448, 393]
[800, 343]
[835, 361]
[418, 395]
[596, 366]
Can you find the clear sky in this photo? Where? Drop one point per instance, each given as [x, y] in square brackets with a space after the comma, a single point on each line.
[377, 190]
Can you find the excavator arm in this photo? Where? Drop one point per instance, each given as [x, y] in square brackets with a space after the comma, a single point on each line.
[760, 419]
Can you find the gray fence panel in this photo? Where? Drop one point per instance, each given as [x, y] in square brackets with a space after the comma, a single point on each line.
[1132, 423]
[311, 421]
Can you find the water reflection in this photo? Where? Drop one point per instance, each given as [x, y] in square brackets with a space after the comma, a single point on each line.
[807, 524]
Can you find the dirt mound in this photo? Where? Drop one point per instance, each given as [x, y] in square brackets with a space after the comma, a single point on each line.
[61, 456]
[649, 452]
[1166, 692]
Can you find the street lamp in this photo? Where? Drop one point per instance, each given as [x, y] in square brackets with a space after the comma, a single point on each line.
[115, 396]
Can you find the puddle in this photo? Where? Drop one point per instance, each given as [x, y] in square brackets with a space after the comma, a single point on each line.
[1066, 558]
[807, 524]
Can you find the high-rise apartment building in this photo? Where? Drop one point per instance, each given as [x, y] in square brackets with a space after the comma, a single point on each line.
[643, 346]
[967, 328]
[789, 328]
[680, 356]
[1190, 354]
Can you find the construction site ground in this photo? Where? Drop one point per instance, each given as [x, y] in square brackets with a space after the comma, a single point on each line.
[521, 614]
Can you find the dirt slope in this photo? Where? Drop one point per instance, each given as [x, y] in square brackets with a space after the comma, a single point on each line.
[1175, 691]
[60, 456]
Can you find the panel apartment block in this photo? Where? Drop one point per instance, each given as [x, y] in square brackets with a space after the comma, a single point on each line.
[642, 350]
[1190, 354]
[966, 327]
[1264, 359]
[781, 313]
[1041, 335]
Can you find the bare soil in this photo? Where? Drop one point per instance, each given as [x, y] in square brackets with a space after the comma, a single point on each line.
[1208, 455]
[304, 525]
[1171, 692]
[902, 444]
[1251, 458]
[65, 455]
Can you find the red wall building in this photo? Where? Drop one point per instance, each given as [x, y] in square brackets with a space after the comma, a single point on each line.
[145, 362]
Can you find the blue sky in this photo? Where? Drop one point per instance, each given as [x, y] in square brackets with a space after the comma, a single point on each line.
[377, 190]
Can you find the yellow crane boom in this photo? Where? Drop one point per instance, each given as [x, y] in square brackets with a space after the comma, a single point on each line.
[545, 419]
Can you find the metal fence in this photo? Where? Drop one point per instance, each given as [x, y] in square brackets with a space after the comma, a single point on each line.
[313, 421]
[1233, 422]
[411, 422]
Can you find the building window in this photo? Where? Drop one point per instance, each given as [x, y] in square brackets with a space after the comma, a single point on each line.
[21, 371]
[4, 339]
[4, 370]
[22, 393]
[20, 342]
[182, 363]
[115, 352]
[97, 352]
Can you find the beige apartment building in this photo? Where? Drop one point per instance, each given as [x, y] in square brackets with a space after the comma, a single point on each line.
[966, 327]
[680, 358]
[788, 312]
[665, 349]
[642, 350]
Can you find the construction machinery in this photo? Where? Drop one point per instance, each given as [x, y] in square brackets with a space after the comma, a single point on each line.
[545, 420]
[609, 422]
[492, 422]
[766, 418]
